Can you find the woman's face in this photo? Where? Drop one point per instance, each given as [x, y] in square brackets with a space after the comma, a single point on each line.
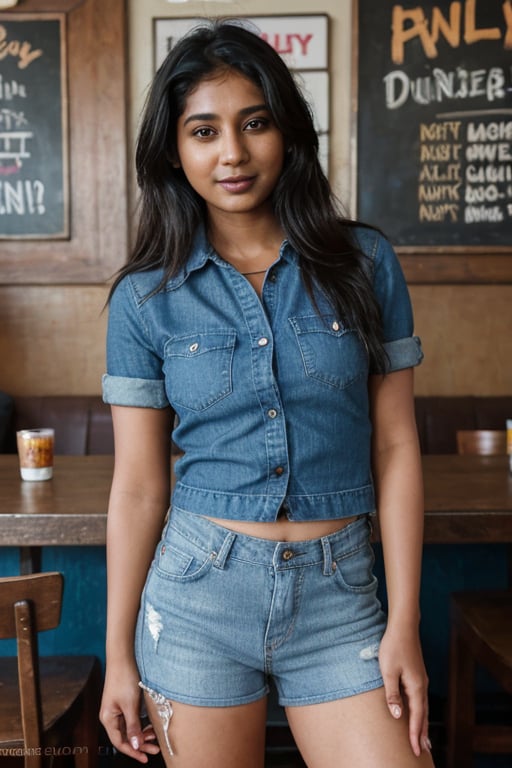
[228, 145]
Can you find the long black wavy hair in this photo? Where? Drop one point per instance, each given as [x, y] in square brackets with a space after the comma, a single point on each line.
[303, 203]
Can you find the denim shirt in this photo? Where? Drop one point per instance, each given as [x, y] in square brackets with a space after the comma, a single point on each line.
[271, 395]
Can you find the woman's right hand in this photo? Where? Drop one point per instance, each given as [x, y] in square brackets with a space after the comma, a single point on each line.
[120, 715]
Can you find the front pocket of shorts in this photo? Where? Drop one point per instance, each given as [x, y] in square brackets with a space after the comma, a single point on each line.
[186, 563]
[354, 571]
[198, 368]
[331, 353]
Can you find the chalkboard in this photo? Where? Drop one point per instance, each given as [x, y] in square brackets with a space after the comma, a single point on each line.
[434, 122]
[34, 199]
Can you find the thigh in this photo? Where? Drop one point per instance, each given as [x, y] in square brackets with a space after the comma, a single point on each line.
[217, 737]
[354, 731]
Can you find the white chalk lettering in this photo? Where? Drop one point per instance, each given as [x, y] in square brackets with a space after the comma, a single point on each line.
[478, 214]
[10, 89]
[488, 174]
[22, 197]
[483, 194]
[490, 153]
[496, 131]
[441, 85]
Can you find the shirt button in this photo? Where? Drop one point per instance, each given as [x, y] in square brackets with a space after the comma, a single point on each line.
[279, 470]
[272, 413]
[194, 347]
[262, 342]
[335, 326]
[287, 554]
[272, 277]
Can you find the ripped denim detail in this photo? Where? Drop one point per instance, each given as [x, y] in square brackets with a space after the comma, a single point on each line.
[370, 652]
[164, 710]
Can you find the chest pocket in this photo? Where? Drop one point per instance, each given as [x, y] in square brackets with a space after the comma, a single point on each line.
[198, 368]
[330, 352]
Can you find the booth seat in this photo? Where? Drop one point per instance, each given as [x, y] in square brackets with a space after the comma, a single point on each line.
[439, 418]
[83, 424]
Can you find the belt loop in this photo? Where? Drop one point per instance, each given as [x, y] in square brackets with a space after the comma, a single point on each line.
[326, 546]
[223, 553]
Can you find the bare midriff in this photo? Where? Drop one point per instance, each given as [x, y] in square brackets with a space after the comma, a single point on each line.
[285, 530]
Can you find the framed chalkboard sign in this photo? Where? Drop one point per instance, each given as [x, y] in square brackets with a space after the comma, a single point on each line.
[432, 127]
[34, 196]
[64, 199]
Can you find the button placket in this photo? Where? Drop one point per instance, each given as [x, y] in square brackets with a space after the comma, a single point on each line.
[259, 323]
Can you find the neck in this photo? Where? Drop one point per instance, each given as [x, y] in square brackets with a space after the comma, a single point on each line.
[250, 244]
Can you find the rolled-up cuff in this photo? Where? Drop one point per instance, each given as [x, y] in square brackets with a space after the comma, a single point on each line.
[403, 353]
[140, 393]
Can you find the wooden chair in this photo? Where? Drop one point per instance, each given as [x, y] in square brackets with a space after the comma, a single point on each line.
[481, 635]
[48, 705]
[482, 442]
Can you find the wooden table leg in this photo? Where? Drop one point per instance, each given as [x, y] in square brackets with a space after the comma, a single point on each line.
[30, 560]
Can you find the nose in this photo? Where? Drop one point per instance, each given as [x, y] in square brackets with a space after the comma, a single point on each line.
[234, 151]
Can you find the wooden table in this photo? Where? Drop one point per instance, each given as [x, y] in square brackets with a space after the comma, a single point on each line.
[467, 499]
[68, 510]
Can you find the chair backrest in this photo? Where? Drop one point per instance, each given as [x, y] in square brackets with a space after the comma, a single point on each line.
[28, 605]
[482, 442]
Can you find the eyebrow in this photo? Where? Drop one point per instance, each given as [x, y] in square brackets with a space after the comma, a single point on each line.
[213, 116]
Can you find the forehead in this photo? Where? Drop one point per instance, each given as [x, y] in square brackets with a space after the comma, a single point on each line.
[225, 89]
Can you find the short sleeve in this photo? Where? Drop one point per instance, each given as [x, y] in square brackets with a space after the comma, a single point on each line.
[402, 347]
[134, 374]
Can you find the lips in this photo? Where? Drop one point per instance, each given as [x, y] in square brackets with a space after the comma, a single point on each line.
[237, 183]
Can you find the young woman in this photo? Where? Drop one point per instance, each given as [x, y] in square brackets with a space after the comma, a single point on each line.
[280, 336]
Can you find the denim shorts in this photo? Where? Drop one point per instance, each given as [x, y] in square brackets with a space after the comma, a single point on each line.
[222, 613]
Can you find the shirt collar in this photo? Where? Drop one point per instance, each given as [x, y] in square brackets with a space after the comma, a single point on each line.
[202, 252]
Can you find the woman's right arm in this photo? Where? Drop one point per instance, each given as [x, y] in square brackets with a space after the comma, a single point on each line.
[139, 500]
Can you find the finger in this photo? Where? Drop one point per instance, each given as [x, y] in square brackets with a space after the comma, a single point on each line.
[116, 730]
[393, 697]
[149, 732]
[418, 720]
[425, 742]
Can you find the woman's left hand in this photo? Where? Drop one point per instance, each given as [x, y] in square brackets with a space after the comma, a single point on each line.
[406, 682]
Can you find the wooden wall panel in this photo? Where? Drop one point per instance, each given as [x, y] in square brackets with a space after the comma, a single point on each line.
[467, 338]
[52, 339]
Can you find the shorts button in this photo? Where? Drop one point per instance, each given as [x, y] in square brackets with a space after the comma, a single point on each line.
[287, 554]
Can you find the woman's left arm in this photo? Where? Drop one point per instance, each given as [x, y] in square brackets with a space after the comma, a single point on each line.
[396, 463]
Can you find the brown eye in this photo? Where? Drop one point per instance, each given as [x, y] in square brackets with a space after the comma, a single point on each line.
[203, 133]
